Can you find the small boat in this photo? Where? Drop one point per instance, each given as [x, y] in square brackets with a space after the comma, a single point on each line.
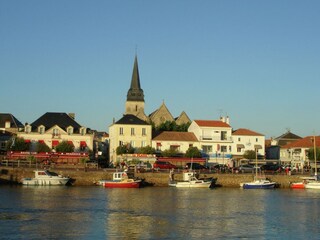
[302, 184]
[316, 183]
[258, 183]
[120, 180]
[45, 178]
[190, 181]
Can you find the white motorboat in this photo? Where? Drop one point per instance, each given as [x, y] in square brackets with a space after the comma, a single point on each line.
[190, 181]
[45, 178]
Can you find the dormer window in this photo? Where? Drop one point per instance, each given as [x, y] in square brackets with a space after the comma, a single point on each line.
[82, 131]
[70, 130]
[41, 129]
[27, 129]
[55, 132]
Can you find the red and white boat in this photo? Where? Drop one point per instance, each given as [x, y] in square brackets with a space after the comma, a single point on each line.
[120, 180]
[302, 184]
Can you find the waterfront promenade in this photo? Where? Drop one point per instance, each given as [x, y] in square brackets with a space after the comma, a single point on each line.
[88, 177]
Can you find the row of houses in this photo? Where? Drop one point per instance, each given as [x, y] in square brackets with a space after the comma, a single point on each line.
[217, 140]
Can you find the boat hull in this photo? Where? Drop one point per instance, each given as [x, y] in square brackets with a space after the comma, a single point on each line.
[255, 185]
[298, 185]
[313, 185]
[45, 182]
[191, 185]
[121, 184]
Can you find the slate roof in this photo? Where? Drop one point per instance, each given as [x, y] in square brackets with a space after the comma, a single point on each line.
[5, 117]
[306, 142]
[135, 93]
[211, 123]
[287, 138]
[131, 120]
[246, 132]
[50, 119]
[176, 136]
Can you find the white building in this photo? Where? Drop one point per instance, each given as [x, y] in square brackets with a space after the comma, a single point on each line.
[247, 140]
[215, 138]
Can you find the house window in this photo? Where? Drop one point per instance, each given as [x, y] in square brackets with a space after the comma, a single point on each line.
[55, 132]
[121, 131]
[143, 144]
[132, 144]
[239, 139]
[82, 131]
[223, 148]
[256, 139]
[41, 130]
[144, 132]
[69, 131]
[223, 135]
[120, 143]
[239, 149]
[132, 131]
[190, 145]
[229, 148]
[207, 148]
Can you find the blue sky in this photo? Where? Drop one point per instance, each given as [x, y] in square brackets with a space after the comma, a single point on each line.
[256, 61]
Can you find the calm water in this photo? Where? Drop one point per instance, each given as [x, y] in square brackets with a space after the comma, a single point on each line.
[157, 213]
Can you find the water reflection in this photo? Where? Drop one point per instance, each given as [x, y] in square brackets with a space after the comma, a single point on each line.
[157, 213]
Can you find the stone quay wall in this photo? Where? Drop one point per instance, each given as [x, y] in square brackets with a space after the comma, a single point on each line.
[83, 177]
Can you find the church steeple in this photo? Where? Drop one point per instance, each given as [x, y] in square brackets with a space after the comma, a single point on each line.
[135, 96]
[135, 93]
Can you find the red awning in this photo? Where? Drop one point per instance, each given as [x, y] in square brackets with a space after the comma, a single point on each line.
[41, 141]
[83, 144]
[55, 143]
[70, 142]
[27, 141]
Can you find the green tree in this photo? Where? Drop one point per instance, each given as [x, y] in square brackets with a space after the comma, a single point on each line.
[146, 150]
[123, 149]
[172, 126]
[65, 147]
[42, 147]
[311, 154]
[170, 153]
[17, 144]
[193, 152]
[249, 154]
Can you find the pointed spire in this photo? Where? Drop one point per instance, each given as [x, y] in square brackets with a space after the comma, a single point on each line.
[135, 92]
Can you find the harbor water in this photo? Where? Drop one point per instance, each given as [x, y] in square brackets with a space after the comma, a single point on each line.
[157, 213]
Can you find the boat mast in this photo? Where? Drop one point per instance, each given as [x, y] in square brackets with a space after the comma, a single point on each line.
[256, 162]
[315, 155]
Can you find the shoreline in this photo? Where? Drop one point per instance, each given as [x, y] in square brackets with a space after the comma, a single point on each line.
[88, 177]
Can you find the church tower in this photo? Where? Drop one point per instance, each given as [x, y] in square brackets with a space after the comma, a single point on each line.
[135, 96]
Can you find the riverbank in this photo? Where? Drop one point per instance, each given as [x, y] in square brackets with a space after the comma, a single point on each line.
[87, 177]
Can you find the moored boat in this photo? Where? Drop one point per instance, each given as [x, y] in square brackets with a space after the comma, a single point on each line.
[190, 181]
[258, 184]
[45, 178]
[120, 180]
[303, 183]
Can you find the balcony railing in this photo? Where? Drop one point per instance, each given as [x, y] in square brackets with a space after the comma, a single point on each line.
[215, 139]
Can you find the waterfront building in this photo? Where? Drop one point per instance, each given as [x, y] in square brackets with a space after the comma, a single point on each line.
[179, 141]
[9, 126]
[215, 139]
[54, 127]
[296, 153]
[247, 140]
[129, 131]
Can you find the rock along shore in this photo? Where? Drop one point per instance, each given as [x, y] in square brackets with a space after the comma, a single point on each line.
[88, 177]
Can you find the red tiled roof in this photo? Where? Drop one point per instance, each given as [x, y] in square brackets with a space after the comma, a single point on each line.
[176, 136]
[306, 142]
[246, 132]
[211, 123]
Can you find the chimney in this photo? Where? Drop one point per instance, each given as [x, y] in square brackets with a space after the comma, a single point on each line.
[227, 120]
[222, 119]
[72, 115]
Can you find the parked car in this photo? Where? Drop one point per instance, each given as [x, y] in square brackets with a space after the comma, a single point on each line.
[196, 166]
[271, 168]
[163, 165]
[247, 168]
